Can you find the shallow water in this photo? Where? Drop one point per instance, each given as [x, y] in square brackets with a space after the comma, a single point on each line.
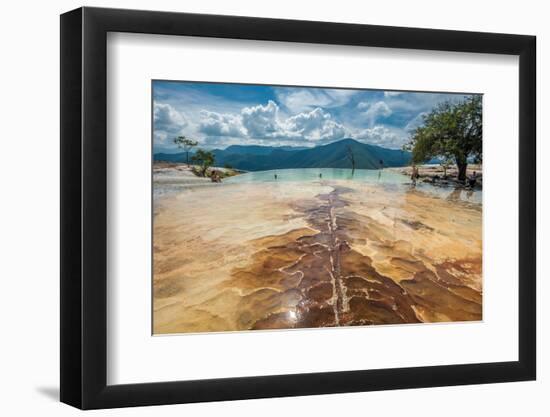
[317, 174]
[385, 177]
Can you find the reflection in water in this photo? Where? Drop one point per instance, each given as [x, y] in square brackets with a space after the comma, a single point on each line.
[330, 252]
[313, 174]
[455, 194]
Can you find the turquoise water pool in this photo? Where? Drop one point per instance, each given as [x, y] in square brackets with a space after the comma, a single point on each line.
[401, 183]
[316, 174]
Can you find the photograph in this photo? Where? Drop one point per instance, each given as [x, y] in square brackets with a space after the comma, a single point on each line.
[269, 209]
[285, 207]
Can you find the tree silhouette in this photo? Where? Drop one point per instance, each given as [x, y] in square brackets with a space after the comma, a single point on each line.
[186, 144]
[205, 159]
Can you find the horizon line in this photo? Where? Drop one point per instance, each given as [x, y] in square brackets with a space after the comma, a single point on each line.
[177, 150]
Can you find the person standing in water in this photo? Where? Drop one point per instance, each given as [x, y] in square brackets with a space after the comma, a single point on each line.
[381, 162]
[472, 180]
[275, 175]
[414, 175]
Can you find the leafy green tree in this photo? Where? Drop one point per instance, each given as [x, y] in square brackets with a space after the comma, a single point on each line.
[451, 130]
[185, 144]
[203, 158]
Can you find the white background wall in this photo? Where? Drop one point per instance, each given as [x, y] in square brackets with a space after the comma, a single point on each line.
[29, 219]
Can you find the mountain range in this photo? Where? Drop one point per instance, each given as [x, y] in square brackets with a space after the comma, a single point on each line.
[333, 155]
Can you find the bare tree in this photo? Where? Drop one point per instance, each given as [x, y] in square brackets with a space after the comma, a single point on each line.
[185, 144]
[445, 163]
[351, 158]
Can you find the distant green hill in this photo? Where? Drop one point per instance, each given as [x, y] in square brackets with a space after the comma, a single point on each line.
[333, 155]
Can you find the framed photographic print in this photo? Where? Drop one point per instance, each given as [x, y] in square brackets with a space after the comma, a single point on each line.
[257, 208]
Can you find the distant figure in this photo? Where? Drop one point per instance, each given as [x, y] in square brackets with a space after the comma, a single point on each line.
[320, 175]
[215, 176]
[379, 174]
[275, 176]
[472, 180]
[414, 175]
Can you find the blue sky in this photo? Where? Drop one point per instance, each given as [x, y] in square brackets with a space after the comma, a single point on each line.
[220, 115]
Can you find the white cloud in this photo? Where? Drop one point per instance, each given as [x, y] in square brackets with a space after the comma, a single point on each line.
[160, 136]
[375, 111]
[416, 121]
[269, 123]
[262, 121]
[218, 124]
[384, 136]
[296, 116]
[168, 118]
[302, 99]
[341, 96]
[409, 103]
[332, 130]
[168, 122]
[306, 99]
[316, 125]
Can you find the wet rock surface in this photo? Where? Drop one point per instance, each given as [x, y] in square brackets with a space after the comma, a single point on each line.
[347, 255]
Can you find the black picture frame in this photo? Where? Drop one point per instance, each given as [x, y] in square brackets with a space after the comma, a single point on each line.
[84, 207]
